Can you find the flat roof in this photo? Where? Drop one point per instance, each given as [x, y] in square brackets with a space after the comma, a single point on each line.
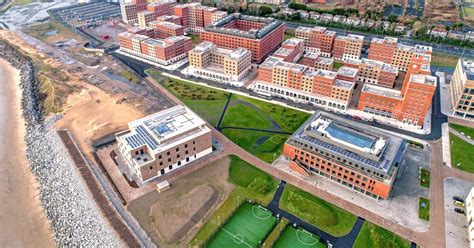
[347, 71]
[467, 67]
[156, 129]
[381, 91]
[344, 84]
[423, 79]
[367, 146]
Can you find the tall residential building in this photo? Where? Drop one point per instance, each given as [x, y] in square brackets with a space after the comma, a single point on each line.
[374, 72]
[161, 9]
[362, 158]
[164, 52]
[145, 17]
[207, 60]
[316, 61]
[317, 39]
[194, 16]
[166, 29]
[129, 13]
[141, 4]
[462, 89]
[347, 47]
[470, 217]
[163, 142]
[388, 50]
[169, 18]
[261, 36]
[298, 82]
[411, 104]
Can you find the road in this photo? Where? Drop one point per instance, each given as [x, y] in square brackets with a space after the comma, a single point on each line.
[439, 48]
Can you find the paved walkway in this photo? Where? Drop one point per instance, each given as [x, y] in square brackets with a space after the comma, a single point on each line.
[459, 135]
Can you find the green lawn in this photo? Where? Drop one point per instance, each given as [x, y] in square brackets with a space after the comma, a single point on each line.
[424, 212]
[195, 39]
[468, 131]
[469, 12]
[206, 102]
[247, 227]
[288, 36]
[21, 2]
[298, 238]
[316, 211]
[251, 183]
[374, 236]
[462, 154]
[444, 60]
[425, 178]
[266, 146]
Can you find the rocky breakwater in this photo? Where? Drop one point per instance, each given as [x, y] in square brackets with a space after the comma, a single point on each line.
[74, 216]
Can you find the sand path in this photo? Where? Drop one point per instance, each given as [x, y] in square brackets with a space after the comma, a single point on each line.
[22, 220]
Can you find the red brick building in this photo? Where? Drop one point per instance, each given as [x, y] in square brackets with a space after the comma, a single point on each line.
[317, 39]
[235, 31]
[166, 29]
[291, 50]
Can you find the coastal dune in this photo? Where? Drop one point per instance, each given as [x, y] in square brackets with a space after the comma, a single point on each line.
[24, 223]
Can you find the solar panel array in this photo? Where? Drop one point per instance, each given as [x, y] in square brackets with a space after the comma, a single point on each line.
[384, 165]
[140, 138]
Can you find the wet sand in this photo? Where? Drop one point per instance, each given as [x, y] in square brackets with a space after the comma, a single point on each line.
[22, 220]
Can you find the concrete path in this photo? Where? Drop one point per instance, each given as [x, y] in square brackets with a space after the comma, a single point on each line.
[459, 135]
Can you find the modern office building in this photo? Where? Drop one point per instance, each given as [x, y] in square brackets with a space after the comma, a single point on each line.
[207, 60]
[470, 217]
[165, 52]
[317, 39]
[374, 72]
[347, 47]
[166, 29]
[163, 142]
[328, 89]
[291, 50]
[362, 158]
[408, 105]
[389, 51]
[462, 89]
[261, 36]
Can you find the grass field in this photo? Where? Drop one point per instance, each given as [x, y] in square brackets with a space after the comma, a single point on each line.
[425, 178]
[251, 183]
[206, 102]
[461, 154]
[317, 212]
[374, 236]
[336, 65]
[288, 36]
[242, 112]
[469, 12]
[468, 131]
[298, 238]
[444, 60]
[248, 227]
[40, 31]
[424, 212]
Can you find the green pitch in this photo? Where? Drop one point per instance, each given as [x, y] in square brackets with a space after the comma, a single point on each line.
[298, 238]
[249, 225]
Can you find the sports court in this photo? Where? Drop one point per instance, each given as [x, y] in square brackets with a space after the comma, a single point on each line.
[297, 238]
[249, 225]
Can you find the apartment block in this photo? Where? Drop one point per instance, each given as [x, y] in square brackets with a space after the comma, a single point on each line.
[145, 17]
[362, 158]
[141, 4]
[316, 61]
[192, 16]
[166, 29]
[169, 18]
[317, 39]
[462, 89]
[347, 47]
[261, 36]
[211, 14]
[162, 51]
[328, 89]
[207, 60]
[389, 51]
[129, 13]
[374, 72]
[470, 217]
[161, 8]
[410, 105]
[163, 142]
[149, 32]
[291, 50]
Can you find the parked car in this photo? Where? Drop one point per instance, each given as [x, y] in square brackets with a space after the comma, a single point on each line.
[459, 204]
[458, 210]
[459, 199]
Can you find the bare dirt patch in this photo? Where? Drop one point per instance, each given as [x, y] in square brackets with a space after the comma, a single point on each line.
[164, 215]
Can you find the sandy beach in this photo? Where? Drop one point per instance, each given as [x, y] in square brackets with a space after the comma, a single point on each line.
[22, 220]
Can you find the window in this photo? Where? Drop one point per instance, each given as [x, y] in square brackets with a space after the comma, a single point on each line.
[170, 167]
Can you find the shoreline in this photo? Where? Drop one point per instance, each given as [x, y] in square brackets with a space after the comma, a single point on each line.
[21, 192]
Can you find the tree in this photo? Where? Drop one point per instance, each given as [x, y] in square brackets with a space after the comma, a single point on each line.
[265, 10]
[393, 18]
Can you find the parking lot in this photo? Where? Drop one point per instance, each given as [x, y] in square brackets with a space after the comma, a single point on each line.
[455, 223]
